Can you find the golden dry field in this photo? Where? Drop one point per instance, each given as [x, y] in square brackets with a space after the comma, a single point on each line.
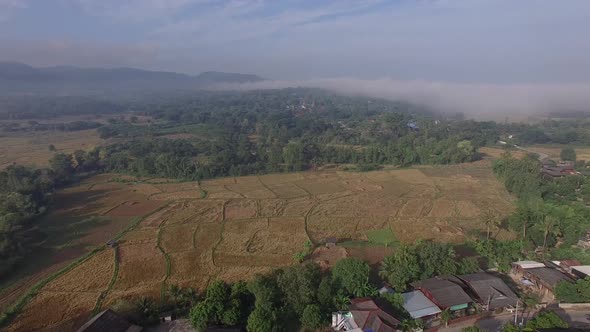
[32, 148]
[249, 225]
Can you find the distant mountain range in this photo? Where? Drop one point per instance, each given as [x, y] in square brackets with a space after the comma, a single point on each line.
[19, 78]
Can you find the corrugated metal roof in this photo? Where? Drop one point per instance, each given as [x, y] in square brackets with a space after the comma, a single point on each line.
[585, 269]
[418, 305]
[528, 264]
[490, 290]
[444, 292]
[549, 277]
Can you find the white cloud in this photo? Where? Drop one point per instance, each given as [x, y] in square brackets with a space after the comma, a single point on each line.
[488, 100]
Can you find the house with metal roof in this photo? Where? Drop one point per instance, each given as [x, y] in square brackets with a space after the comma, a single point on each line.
[419, 306]
[490, 291]
[546, 279]
[444, 293]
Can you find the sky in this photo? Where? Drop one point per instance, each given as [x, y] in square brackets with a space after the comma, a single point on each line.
[453, 41]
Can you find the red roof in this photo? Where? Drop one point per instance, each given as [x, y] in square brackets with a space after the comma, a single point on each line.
[368, 315]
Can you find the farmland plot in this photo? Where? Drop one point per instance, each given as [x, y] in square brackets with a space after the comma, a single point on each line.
[250, 225]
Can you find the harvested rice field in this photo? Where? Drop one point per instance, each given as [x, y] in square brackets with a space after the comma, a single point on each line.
[248, 225]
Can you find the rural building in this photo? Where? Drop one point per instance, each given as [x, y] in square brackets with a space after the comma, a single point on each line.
[445, 294]
[110, 321]
[562, 168]
[419, 306]
[545, 279]
[581, 271]
[520, 266]
[364, 315]
[490, 291]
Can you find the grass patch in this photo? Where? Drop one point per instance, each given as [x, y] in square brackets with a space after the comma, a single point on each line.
[382, 237]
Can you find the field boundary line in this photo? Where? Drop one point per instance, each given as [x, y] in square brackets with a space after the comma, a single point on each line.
[12, 311]
[233, 191]
[110, 286]
[195, 235]
[267, 187]
[305, 222]
[303, 189]
[168, 265]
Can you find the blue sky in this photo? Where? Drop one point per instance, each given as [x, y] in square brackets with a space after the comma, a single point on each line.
[483, 41]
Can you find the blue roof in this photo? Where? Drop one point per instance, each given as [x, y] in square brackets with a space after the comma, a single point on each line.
[418, 305]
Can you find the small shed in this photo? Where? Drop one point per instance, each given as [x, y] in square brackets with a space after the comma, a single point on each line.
[331, 242]
[521, 266]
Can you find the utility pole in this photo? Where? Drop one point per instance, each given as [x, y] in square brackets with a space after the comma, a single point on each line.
[516, 314]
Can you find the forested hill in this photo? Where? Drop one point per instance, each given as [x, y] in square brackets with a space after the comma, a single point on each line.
[18, 78]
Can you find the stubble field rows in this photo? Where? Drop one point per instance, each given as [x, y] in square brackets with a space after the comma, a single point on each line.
[250, 225]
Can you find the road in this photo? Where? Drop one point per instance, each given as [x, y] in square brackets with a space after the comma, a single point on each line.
[575, 318]
[542, 156]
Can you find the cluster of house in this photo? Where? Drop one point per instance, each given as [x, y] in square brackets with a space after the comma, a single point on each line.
[550, 169]
[461, 295]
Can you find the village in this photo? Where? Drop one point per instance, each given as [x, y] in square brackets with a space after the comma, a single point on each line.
[444, 302]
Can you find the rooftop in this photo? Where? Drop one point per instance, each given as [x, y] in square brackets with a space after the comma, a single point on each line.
[445, 293]
[528, 264]
[368, 316]
[490, 290]
[110, 321]
[418, 305]
[548, 277]
[584, 269]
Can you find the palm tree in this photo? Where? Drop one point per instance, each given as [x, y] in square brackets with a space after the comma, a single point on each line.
[189, 296]
[146, 308]
[175, 294]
